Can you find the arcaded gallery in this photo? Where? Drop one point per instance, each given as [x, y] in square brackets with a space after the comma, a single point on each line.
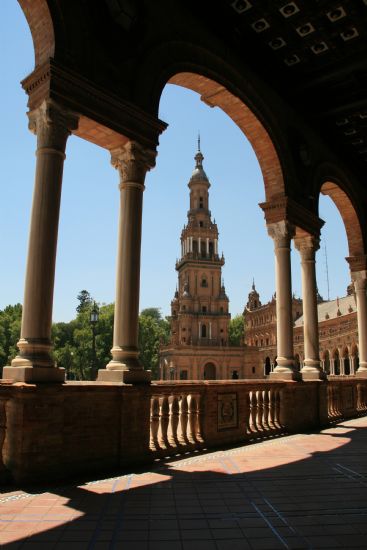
[292, 77]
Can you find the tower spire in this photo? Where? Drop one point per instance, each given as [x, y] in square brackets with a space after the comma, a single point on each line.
[199, 142]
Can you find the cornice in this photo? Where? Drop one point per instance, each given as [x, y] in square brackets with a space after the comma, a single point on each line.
[284, 208]
[116, 120]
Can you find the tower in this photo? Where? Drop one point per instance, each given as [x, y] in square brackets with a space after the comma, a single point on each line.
[199, 347]
[200, 307]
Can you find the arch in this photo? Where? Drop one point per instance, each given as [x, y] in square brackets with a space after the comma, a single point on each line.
[346, 361]
[41, 26]
[326, 359]
[349, 216]
[336, 359]
[203, 331]
[216, 95]
[210, 371]
[267, 366]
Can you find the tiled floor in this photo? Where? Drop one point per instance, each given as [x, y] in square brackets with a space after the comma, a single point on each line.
[302, 491]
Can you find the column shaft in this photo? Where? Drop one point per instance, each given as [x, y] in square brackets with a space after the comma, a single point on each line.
[360, 284]
[34, 363]
[307, 247]
[281, 233]
[132, 162]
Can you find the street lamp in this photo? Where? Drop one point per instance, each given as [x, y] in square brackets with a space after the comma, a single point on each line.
[93, 319]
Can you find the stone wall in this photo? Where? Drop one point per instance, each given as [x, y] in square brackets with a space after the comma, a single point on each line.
[50, 432]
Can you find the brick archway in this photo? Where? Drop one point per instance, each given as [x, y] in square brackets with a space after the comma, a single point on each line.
[349, 217]
[41, 26]
[215, 95]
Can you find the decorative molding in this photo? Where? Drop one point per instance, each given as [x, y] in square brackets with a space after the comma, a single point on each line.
[284, 208]
[106, 112]
[227, 411]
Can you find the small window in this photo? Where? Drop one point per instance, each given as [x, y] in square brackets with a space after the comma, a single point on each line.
[183, 308]
[184, 340]
[204, 282]
[203, 309]
[201, 203]
[221, 330]
[253, 370]
[200, 224]
[183, 330]
[203, 331]
[183, 375]
[221, 310]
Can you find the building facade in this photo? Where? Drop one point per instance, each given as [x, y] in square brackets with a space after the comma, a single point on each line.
[337, 328]
[199, 348]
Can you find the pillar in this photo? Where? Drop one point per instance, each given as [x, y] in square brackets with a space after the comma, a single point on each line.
[307, 247]
[132, 162]
[360, 283]
[207, 246]
[52, 124]
[282, 233]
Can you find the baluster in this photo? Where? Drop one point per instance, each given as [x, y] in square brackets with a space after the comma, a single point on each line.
[193, 418]
[184, 416]
[253, 411]
[260, 410]
[154, 422]
[199, 418]
[266, 405]
[277, 410]
[272, 410]
[165, 421]
[247, 414]
[175, 419]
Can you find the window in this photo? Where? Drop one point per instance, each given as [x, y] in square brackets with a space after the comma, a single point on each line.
[221, 310]
[203, 309]
[253, 370]
[201, 202]
[183, 375]
[200, 224]
[204, 282]
[184, 330]
[203, 331]
[221, 330]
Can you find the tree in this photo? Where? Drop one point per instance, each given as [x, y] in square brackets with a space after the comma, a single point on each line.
[85, 301]
[236, 331]
[153, 330]
[10, 321]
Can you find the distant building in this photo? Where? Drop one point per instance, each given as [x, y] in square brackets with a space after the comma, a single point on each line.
[338, 333]
[199, 347]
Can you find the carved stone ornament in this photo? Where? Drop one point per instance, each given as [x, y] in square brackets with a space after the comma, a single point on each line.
[307, 247]
[227, 411]
[359, 279]
[281, 232]
[133, 161]
[52, 124]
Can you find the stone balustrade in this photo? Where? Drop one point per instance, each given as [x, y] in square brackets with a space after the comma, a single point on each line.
[52, 431]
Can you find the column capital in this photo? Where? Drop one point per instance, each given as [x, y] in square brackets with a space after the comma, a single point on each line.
[359, 279]
[357, 263]
[133, 161]
[307, 246]
[52, 124]
[281, 232]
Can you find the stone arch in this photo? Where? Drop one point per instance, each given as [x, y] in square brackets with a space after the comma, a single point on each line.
[349, 216]
[346, 360]
[326, 360]
[336, 359]
[216, 95]
[209, 371]
[41, 26]
[267, 366]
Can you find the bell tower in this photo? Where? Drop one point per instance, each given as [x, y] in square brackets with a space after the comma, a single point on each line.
[200, 306]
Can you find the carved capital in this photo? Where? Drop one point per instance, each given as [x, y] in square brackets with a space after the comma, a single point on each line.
[52, 124]
[357, 263]
[281, 232]
[307, 247]
[359, 279]
[133, 161]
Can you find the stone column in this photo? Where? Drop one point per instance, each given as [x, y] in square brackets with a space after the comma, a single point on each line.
[307, 247]
[132, 162]
[52, 125]
[360, 284]
[282, 233]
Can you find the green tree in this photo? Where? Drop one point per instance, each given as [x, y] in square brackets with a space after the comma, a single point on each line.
[153, 331]
[236, 331]
[10, 321]
[85, 301]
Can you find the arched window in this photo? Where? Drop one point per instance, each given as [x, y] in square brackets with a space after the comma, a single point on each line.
[203, 331]
[203, 309]
[204, 282]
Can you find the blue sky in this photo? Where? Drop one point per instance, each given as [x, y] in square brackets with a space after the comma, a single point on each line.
[89, 212]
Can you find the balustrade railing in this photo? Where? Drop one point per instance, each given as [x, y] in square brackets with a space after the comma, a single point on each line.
[192, 416]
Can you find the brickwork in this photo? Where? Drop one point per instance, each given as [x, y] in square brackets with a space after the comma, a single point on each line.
[40, 23]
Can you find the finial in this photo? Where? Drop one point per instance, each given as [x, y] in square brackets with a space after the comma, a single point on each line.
[253, 283]
[199, 142]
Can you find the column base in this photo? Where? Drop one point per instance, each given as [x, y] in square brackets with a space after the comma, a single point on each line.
[125, 376]
[32, 375]
[285, 375]
[313, 375]
[361, 372]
